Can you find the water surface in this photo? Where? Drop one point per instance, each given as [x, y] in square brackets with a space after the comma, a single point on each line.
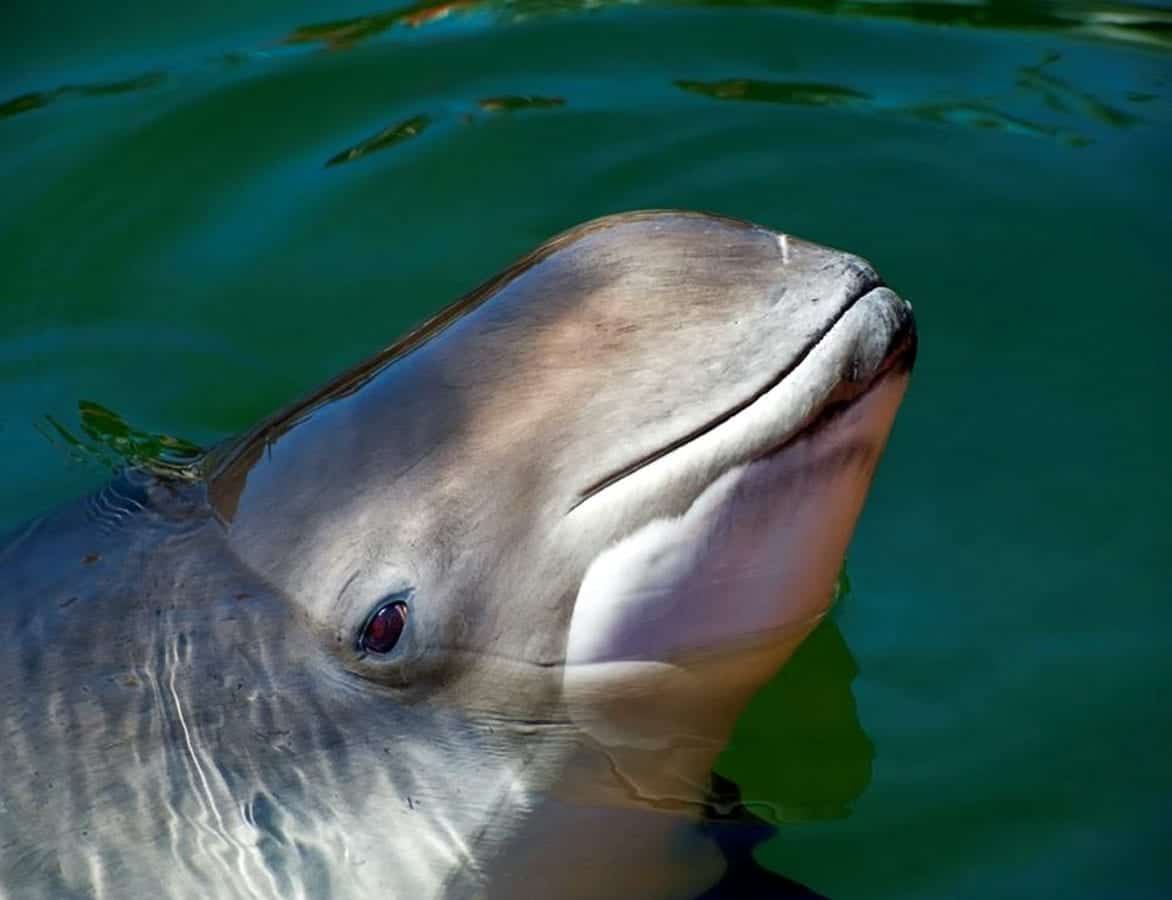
[207, 212]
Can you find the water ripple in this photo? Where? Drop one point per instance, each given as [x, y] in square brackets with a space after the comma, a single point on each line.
[388, 137]
[797, 93]
[37, 99]
[1119, 22]
[108, 440]
[512, 103]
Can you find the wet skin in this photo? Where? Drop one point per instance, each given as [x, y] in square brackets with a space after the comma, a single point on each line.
[476, 615]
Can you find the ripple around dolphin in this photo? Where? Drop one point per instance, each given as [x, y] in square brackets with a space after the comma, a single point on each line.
[812, 703]
[1115, 22]
[513, 103]
[1062, 96]
[109, 441]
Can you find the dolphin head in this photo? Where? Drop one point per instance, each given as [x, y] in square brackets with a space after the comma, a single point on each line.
[645, 445]
[527, 563]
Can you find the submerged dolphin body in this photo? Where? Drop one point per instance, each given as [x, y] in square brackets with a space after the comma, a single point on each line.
[475, 618]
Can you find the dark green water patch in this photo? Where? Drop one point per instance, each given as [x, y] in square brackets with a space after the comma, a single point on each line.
[24, 103]
[982, 114]
[823, 763]
[37, 99]
[987, 116]
[1113, 22]
[1063, 97]
[799, 93]
[514, 103]
[123, 86]
[388, 137]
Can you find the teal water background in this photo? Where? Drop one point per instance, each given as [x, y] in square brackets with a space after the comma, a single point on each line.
[205, 212]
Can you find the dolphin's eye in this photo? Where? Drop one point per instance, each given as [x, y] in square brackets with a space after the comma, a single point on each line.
[383, 629]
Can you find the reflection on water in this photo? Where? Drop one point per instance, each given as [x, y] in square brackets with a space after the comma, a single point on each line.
[24, 103]
[1113, 22]
[1118, 22]
[108, 441]
[800, 93]
[1057, 95]
[36, 100]
[822, 764]
[388, 137]
[984, 115]
[125, 86]
[988, 111]
[345, 33]
[1062, 97]
[507, 104]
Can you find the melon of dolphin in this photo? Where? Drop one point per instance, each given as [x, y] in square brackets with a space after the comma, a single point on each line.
[475, 618]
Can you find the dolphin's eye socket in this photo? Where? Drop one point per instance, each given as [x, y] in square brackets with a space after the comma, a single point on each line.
[383, 629]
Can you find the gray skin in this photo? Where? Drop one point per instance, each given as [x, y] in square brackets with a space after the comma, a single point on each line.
[613, 487]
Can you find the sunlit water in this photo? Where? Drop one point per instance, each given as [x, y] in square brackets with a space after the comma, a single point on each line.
[207, 213]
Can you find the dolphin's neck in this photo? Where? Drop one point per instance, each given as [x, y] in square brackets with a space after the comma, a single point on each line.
[573, 849]
[619, 822]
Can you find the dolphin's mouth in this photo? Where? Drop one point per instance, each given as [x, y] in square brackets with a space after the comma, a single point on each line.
[899, 357]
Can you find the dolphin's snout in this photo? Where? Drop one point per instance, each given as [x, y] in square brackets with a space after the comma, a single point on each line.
[885, 341]
[829, 330]
[713, 592]
[886, 337]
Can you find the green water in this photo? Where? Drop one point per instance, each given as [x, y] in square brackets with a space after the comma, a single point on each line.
[205, 212]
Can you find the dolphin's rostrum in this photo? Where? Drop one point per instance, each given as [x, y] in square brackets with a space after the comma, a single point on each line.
[475, 618]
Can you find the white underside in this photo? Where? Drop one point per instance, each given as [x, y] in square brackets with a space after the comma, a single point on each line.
[726, 590]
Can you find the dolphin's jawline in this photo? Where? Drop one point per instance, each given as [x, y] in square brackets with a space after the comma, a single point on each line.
[870, 284]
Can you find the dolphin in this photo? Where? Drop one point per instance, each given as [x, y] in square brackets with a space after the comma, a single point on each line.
[475, 618]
